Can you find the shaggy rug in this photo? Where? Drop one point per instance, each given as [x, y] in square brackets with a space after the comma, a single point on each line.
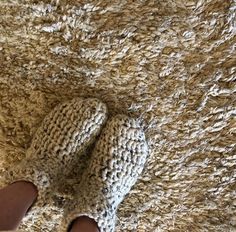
[171, 63]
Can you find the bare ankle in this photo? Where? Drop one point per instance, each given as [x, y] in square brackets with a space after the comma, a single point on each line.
[27, 186]
[16, 199]
[84, 223]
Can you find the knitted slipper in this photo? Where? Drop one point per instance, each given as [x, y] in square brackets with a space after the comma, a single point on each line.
[117, 161]
[64, 134]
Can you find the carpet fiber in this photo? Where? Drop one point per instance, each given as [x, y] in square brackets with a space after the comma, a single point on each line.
[171, 63]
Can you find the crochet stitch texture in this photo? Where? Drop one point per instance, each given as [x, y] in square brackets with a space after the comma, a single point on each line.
[117, 160]
[63, 135]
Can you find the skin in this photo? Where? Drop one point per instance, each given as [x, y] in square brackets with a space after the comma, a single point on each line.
[84, 224]
[17, 198]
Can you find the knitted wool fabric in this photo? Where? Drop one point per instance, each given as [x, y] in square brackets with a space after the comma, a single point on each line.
[64, 134]
[117, 160]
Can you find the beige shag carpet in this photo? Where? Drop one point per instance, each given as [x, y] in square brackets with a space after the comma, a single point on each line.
[170, 62]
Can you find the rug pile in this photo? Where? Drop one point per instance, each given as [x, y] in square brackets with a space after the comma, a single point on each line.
[171, 63]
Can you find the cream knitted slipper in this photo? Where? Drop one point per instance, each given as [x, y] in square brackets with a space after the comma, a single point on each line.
[117, 161]
[64, 134]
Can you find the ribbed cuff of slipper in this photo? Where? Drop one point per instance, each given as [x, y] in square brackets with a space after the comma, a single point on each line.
[26, 172]
[105, 218]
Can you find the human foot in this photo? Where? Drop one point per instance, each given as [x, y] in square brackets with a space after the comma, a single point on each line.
[117, 161]
[64, 134]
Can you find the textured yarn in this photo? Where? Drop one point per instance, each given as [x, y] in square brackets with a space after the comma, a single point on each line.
[169, 62]
[117, 161]
[64, 134]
